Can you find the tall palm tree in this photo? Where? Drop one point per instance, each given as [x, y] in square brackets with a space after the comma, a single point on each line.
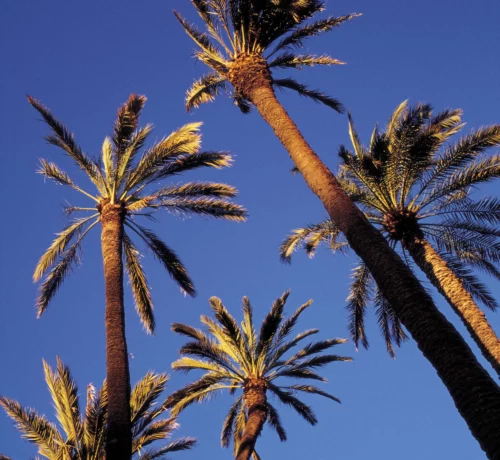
[246, 41]
[415, 190]
[83, 435]
[127, 188]
[240, 358]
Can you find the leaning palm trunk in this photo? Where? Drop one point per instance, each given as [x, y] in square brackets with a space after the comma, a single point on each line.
[119, 441]
[256, 405]
[476, 395]
[446, 282]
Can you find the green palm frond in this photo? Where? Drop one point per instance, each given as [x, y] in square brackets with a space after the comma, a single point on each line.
[234, 358]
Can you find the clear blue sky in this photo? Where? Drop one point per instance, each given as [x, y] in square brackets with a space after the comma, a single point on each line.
[82, 59]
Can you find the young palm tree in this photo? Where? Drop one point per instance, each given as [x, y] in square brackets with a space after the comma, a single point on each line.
[416, 191]
[127, 188]
[83, 435]
[246, 41]
[238, 358]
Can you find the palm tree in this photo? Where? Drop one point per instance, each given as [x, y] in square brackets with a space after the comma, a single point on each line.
[246, 41]
[127, 188]
[83, 435]
[416, 191]
[238, 358]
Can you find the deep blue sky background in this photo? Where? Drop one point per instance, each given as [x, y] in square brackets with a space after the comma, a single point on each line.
[82, 59]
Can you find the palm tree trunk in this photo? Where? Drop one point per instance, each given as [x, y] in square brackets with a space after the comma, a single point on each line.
[255, 401]
[475, 394]
[447, 283]
[118, 433]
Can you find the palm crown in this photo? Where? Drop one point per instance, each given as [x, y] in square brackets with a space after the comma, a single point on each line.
[238, 358]
[243, 31]
[409, 184]
[123, 177]
[83, 436]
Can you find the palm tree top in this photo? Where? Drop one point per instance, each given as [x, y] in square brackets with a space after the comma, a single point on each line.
[411, 180]
[259, 34]
[237, 357]
[83, 434]
[131, 183]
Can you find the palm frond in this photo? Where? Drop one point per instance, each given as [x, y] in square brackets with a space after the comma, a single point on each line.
[287, 398]
[56, 276]
[58, 246]
[64, 394]
[312, 390]
[167, 257]
[274, 421]
[139, 284]
[205, 90]
[145, 393]
[64, 139]
[359, 296]
[315, 95]
[34, 427]
[228, 425]
[175, 446]
[297, 37]
[213, 207]
[293, 61]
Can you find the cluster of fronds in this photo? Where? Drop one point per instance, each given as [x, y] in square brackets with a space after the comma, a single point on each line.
[124, 176]
[273, 30]
[230, 355]
[83, 435]
[408, 170]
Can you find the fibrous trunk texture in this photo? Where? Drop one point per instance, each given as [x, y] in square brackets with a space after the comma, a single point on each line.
[118, 433]
[446, 282]
[256, 404]
[476, 395]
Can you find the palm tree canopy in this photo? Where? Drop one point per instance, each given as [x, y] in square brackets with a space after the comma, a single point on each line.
[411, 181]
[268, 32]
[123, 176]
[235, 357]
[83, 435]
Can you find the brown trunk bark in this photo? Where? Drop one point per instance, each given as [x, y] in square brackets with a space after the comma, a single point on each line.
[476, 395]
[256, 404]
[446, 282]
[118, 433]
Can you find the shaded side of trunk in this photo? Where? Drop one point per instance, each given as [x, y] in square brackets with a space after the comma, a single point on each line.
[118, 433]
[256, 404]
[446, 282]
[475, 394]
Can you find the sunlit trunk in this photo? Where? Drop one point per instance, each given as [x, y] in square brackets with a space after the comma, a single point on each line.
[255, 402]
[446, 282]
[476, 395]
[118, 433]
